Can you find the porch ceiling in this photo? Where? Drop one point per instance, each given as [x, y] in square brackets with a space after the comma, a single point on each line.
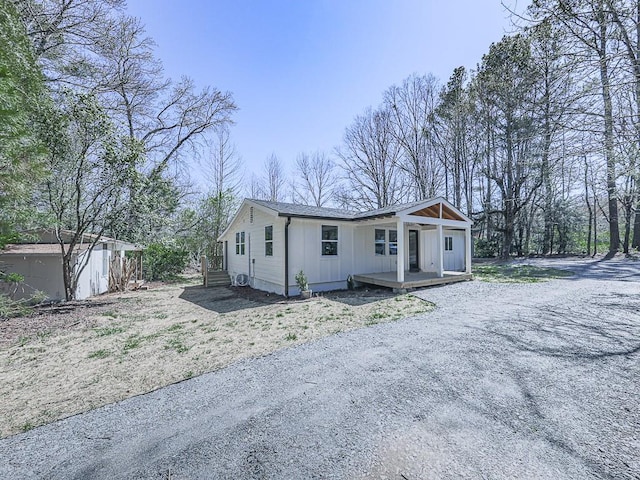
[434, 212]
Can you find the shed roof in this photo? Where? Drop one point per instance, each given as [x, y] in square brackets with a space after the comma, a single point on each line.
[46, 249]
[43, 236]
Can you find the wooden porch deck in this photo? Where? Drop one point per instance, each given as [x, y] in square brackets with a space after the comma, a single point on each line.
[412, 279]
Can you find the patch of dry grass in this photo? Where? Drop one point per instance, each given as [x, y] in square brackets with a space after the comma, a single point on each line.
[140, 341]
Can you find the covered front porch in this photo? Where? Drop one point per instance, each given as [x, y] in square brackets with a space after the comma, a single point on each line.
[426, 243]
[412, 279]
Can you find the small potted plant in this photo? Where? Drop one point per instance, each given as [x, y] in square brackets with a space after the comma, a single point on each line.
[303, 285]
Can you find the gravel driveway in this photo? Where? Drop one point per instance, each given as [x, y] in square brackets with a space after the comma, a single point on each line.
[500, 381]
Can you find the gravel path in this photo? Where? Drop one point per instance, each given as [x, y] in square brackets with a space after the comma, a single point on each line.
[500, 381]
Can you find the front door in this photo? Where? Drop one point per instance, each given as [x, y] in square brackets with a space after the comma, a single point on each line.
[449, 258]
[414, 259]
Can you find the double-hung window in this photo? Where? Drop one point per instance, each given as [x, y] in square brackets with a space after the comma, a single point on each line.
[268, 241]
[329, 240]
[380, 239]
[239, 243]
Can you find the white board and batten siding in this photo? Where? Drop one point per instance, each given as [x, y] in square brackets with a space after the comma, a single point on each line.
[266, 272]
[368, 259]
[324, 272]
[358, 249]
[94, 278]
[453, 254]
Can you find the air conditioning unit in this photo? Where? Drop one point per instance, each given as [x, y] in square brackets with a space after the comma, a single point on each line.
[241, 280]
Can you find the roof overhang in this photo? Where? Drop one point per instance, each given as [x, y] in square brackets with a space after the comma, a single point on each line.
[315, 217]
[435, 211]
[37, 249]
[248, 202]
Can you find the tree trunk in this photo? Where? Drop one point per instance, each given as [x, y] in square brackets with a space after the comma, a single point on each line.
[586, 199]
[635, 243]
[614, 233]
[628, 203]
[67, 277]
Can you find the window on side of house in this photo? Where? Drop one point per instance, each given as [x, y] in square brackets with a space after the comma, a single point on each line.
[393, 242]
[329, 240]
[268, 241]
[448, 244]
[380, 239]
[239, 243]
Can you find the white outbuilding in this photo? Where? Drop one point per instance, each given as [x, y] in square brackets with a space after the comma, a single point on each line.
[40, 263]
[405, 246]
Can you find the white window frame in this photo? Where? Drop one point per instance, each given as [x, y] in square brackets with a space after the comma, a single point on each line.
[382, 242]
[268, 242]
[240, 243]
[395, 244]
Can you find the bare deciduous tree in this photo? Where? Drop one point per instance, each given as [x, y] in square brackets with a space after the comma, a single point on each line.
[223, 167]
[315, 179]
[274, 179]
[370, 160]
[411, 107]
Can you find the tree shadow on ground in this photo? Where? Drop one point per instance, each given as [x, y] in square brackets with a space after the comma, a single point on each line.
[603, 269]
[584, 333]
[359, 296]
[229, 299]
[232, 299]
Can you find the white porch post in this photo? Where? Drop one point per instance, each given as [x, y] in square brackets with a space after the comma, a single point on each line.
[467, 253]
[440, 264]
[400, 251]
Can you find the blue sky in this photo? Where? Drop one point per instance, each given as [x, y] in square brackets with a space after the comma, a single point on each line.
[301, 70]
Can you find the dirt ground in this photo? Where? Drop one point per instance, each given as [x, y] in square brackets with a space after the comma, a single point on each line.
[71, 358]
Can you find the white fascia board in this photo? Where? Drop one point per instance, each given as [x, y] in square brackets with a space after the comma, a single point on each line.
[431, 202]
[390, 220]
[434, 221]
[425, 204]
[248, 202]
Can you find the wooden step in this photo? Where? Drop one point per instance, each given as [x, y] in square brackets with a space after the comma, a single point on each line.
[216, 278]
[217, 273]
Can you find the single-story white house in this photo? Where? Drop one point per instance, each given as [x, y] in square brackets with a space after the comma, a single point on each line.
[404, 246]
[40, 263]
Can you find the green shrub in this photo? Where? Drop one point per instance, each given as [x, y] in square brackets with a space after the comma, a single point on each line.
[301, 281]
[485, 248]
[9, 305]
[163, 262]
[17, 308]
